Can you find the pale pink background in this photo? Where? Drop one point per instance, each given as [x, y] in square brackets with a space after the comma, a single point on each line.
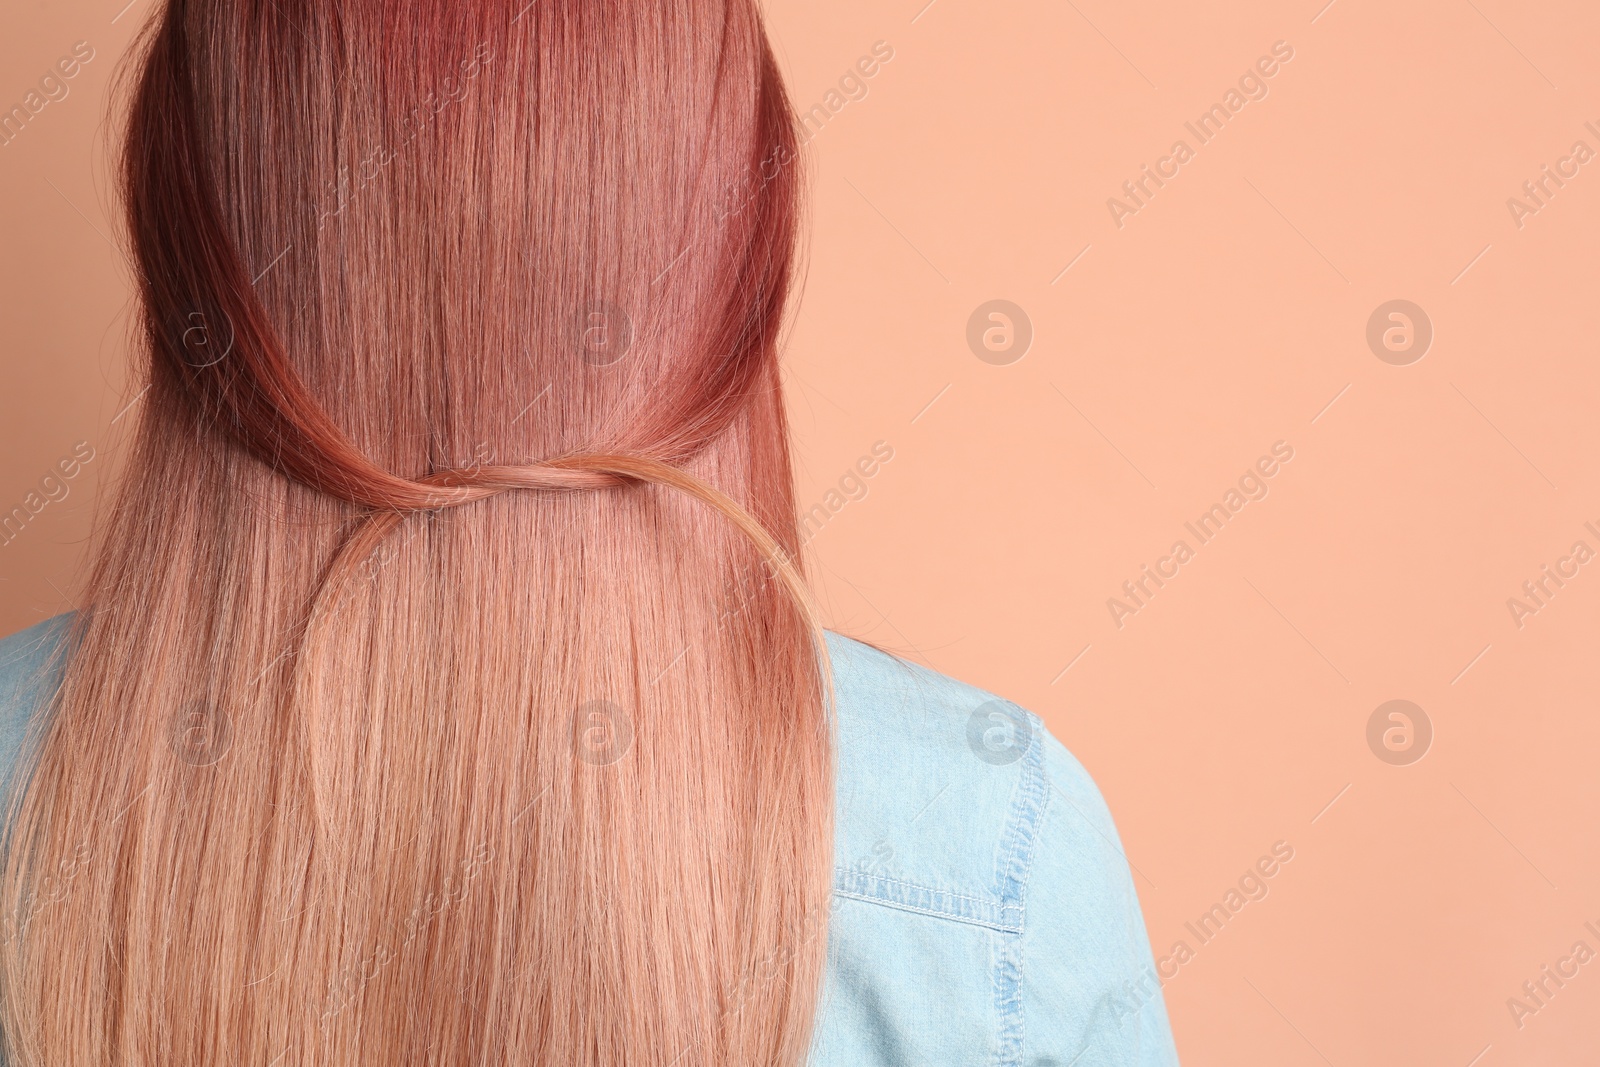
[1227, 314]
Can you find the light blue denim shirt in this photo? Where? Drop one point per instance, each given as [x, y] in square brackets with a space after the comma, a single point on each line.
[983, 910]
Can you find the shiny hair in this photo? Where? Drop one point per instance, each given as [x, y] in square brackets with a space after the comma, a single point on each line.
[446, 688]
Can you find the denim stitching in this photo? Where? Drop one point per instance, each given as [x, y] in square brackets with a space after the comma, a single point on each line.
[908, 896]
[1013, 865]
[842, 873]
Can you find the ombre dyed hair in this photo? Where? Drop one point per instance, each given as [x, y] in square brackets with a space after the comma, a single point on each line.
[446, 690]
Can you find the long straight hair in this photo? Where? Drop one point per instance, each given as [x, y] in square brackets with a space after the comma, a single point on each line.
[445, 690]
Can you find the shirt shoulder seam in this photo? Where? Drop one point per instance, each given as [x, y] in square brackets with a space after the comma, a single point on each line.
[1013, 866]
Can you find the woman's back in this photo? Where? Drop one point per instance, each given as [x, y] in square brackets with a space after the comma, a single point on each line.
[982, 910]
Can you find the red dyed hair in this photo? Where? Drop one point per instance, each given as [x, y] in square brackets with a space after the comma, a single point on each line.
[446, 690]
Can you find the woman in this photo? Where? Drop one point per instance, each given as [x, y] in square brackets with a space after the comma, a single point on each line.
[446, 689]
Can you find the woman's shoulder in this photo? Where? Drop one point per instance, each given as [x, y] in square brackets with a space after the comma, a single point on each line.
[31, 661]
[972, 846]
[943, 774]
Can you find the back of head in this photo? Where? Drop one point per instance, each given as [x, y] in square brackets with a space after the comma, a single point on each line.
[444, 691]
